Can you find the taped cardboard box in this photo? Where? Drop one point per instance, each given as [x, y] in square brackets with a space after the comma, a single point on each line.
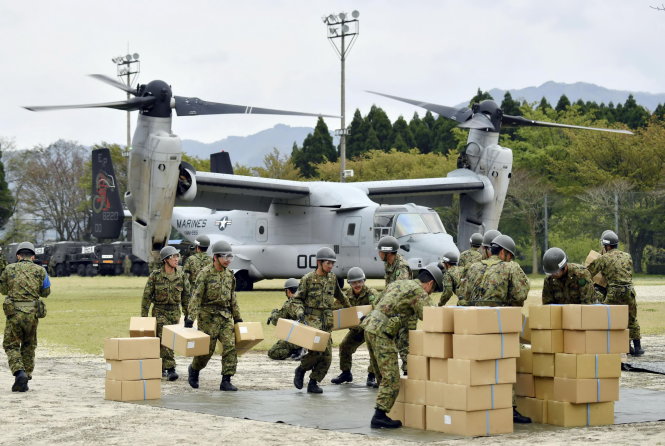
[302, 335]
[414, 415]
[418, 367]
[415, 391]
[545, 317]
[485, 320]
[586, 390]
[435, 418]
[438, 370]
[568, 365]
[525, 385]
[134, 369]
[416, 342]
[248, 334]
[595, 317]
[569, 415]
[470, 372]
[470, 398]
[402, 389]
[140, 327]
[438, 345]
[185, 341]
[525, 334]
[397, 411]
[533, 408]
[525, 361]
[543, 364]
[131, 348]
[435, 394]
[349, 317]
[132, 390]
[479, 423]
[598, 279]
[438, 319]
[547, 341]
[595, 341]
[486, 346]
[544, 388]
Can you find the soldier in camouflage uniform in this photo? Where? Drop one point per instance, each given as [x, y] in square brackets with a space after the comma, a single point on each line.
[23, 283]
[401, 300]
[3, 261]
[215, 305]
[617, 268]
[358, 294]
[283, 349]
[472, 254]
[199, 260]
[452, 277]
[314, 302]
[167, 290]
[484, 254]
[566, 283]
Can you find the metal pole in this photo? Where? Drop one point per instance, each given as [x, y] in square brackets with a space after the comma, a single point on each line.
[616, 212]
[342, 138]
[545, 224]
[129, 140]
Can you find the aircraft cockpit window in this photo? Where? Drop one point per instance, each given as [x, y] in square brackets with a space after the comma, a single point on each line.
[382, 225]
[433, 222]
[410, 224]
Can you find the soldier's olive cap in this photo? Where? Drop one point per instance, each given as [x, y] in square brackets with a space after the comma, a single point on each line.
[388, 244]
[326, 253]
[609, 238]
[437, 274]
[554, 260]
[489, 236]
[355, 274]
[505, 242]
[291, 283]
[450, 257]
[167, 251]
[25, 246]
[476, 239]
[202, 241]
[221, 247]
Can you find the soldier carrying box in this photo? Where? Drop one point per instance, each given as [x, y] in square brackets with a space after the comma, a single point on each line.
[283, 349]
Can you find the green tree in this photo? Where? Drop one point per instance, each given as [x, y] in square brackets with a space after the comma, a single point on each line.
[316, 148]
[563, 103]
[275, 165]
[479, 97]
[402, 137]
[509, 105]
[543, 105]
[6, 198]
[355, 141]
[383, 129]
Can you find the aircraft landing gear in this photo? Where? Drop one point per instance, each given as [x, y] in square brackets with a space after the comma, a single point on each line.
[243, 281]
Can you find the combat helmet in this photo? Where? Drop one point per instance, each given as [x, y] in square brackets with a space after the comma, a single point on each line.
[167, 251]
[202, 241]
[25, 246]
[489, 236]
[451, 257]
[505, 242]
[326, 253]
[291, 283]
[221, 247]
[437, 274]
[609, 238]
[554, 260]
[355, 274]
[476, 239]
[388, 243]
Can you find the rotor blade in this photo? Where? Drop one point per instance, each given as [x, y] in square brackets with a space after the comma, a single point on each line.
[479, 121]
[130, 105]
[194, 106]
[522, 121]
[456, 114]
[113, 82]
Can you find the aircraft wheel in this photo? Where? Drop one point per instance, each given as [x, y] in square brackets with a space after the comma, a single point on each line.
[243, 282]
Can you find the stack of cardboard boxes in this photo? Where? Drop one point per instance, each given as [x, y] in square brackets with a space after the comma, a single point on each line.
[570, 376]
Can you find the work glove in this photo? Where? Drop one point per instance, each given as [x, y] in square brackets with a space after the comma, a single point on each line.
[237, 321]
[189, 323]
[269, 321]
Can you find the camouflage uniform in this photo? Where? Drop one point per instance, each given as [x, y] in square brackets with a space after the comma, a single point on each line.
[127, 266]
[215, 305]
[314, 301]
[400, 270]
[194, 264]
[400, 300]
[23, 283]
[617, 268]
[355, 336]
[282, 349]
[496, 283]
[3, 263]
[469, 256]
[167, 293]
[452, 280]
[574, 287]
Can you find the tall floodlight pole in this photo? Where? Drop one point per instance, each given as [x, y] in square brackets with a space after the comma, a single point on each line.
[342, 32]
[128, 68]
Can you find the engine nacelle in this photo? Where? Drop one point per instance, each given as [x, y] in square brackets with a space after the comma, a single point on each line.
[186, 190]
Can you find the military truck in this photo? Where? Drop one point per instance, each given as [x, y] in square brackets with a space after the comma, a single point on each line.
[72, 258]
[112, 256]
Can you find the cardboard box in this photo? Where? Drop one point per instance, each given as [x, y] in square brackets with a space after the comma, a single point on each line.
[469, 398]
[435, 394]
[484, 320]
[435, 418]
[544, 387]
[533, 408]
[402, 389]
[595, 317]
[543, 364]
[545, 317]
[598, 279]
[525, 334]
[349, 317]
[134, 369]
[140, 327]
[438, 370]
[568, 415]
[416, 342]
[248, 334]
[595, 341]
[397, 412]
[415, 391]
[586, 390]
[525, 385]
[470, 372]
[131, 348]
[302, 335]
[132, 390]
[568, 365]
[486, 346]
[185, 341]
[480, 422]
[418, 367]
[525, 361]
[547, 341]
[438, 345]
[414, 415]
[438, 319]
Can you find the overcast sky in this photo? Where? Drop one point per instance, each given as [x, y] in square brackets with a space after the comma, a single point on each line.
[274, 53]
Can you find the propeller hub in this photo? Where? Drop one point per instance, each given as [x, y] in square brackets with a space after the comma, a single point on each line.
[490, 109]
[162, 94]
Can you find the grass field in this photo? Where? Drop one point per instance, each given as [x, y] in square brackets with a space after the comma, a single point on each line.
[82, 311]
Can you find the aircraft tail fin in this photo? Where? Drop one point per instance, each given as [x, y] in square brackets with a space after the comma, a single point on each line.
[220, 162]
[107, 212]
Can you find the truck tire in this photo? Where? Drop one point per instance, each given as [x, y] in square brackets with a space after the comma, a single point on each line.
[80, 270]
[243, 281]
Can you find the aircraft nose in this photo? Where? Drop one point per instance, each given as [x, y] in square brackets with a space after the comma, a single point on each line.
[424, 249]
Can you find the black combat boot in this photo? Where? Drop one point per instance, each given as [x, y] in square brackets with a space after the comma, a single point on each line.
[344, 377]
[380, 419]
[313, 387]
[20, 382]
[226, 385]
[299, 378]
[637, 350]
[171, 374]
[193, 377]
[371, 381]
[519, 418]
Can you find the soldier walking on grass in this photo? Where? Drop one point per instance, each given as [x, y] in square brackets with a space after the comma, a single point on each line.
[167, 290]
[283, 349]
[199, 260]
[23, 283]
[566, 283]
